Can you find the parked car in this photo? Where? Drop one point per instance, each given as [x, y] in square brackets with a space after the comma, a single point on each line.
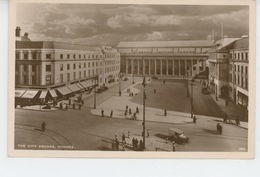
[178, 136]
[154, 77]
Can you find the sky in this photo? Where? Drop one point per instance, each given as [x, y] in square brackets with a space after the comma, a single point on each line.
[104, 24]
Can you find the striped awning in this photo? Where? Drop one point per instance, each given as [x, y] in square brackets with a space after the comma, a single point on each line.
[19, 93]
[74, 87]
[64, 90]
[43, 94]
[30, 94]
[89, 82]
[53, 93]
[80, 86]
[84, 84]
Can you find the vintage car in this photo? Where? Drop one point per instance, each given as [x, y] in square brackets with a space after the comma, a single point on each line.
[178, 136]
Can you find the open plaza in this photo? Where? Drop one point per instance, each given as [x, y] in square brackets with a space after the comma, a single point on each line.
[87, 129]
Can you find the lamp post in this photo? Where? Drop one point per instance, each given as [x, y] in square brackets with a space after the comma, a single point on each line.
[133, 76]
[95, 93]
[119, 91]
[187, 85]
[191, 98]
[144, 97]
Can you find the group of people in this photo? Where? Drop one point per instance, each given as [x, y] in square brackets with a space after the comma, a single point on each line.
[129, 111]
[131, 94]
[137, 146]
[225, 118]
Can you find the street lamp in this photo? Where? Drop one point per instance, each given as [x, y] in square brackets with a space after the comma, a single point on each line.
[144, 97]
[119, 91]
[191, 99]
[187, 85]
[95, 79]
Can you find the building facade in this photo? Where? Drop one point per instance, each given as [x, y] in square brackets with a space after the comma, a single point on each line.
[57, 66]
[164, 58]
[238, 72]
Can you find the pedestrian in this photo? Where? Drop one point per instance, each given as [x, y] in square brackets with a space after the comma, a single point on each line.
[111, 113]
[102, 113]
[225, 117]
[82, 102]
[43, 126]
[60, 105]
[134, 116]
[165, 112]
[125, 112]
[133, 142]
[137, 110]
[194, 119]
[126, 107]
[128, 134]
[154, 91]
[140, 145]
[115, 137]
[113, 145]
[237, 121]
[123, 137]
[130, 112]
[173, 146]
[147, 135]
[136, 144]
[123, 146]
[164, 81]
[117, 145]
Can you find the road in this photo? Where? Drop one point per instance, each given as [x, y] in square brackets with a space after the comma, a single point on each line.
[88, 132]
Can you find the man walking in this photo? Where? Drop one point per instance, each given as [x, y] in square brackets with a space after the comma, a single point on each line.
[102, 113]
[111, 113]
[43, 126]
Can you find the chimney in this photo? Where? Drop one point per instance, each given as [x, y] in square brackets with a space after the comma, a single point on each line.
[18, 31]
[26, 35]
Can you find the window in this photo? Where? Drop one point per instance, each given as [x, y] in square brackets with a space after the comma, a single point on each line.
[97, 64]
[85, 74]
[93, 64]
[84, 65]
[74, 75]
[246, 56]
[68, 56]
[74, 56]
[79, 74]
[238, 80]
[74, 65]
[242, 69]
[88, 73]
[34, 55]
[48, 68]
[61, 67]
[84, 56]
[68, 66]
[68, 76]
[246, 84]
[25, 56]
[61, 78]
[235, 67]
[61, 56]
[79, 65]
[17, 56]
[93, 72]
[89, 64]
[238, 68]
[246, 69]
[48, 56]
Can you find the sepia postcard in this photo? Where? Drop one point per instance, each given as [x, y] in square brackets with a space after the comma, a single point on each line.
[132, 79]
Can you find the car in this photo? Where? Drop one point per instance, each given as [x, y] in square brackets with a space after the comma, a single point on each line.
[178, 136]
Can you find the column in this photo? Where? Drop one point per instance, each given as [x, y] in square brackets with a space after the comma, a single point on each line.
[126, 68]
[179, 67]
[29, 74]
[21, 81]
[138, 67]
[29, 55]
[155, 67]
[132, 66]
[143, 67]
[37, 75]
[160, 67]
[185, 67]
[198, 64]
[173, 67]
[167, 72]
[149, 67]
[191, 63]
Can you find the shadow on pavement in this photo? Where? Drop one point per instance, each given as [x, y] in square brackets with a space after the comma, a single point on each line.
[162, 136]
[211, 131]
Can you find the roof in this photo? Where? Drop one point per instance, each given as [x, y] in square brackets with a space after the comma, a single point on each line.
[225, 43]
[158, 44]
[241, 43]
[53, 45]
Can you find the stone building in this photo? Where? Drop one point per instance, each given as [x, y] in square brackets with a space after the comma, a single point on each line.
[164, 58]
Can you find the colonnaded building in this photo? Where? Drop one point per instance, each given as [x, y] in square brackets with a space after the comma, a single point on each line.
[56, 69]
[164, 58]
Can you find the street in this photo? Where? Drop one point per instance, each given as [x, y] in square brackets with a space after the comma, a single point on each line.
[81, 130]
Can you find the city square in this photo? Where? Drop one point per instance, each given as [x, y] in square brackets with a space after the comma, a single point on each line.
[131, 81]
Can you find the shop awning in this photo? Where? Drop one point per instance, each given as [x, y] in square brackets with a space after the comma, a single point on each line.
[19, 93]
[89, 82]
[43, 94]
[84, 84]
[53, 93]
[64, 90]
[30, 94]
[80, 86]
[74, 87]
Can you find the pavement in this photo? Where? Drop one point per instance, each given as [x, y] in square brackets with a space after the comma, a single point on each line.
[117, 104]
